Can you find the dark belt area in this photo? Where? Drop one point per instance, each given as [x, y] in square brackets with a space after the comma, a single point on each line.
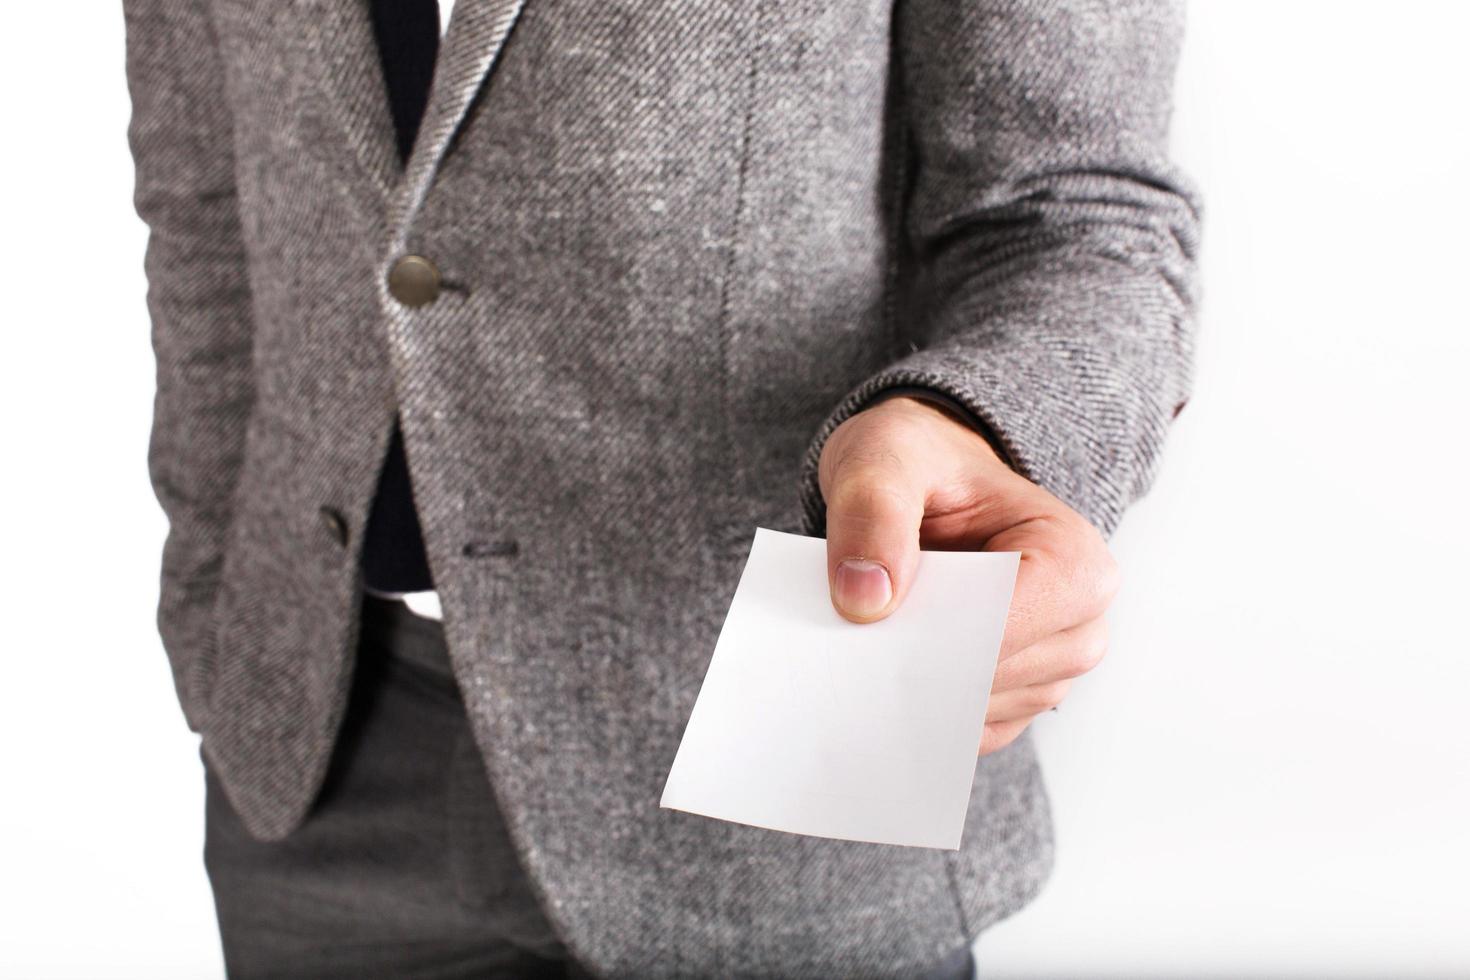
[390, 629]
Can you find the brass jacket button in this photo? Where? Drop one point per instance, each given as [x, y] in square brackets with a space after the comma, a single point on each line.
[413, 280]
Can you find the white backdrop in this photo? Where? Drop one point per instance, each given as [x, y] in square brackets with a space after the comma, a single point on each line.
[1268, 776]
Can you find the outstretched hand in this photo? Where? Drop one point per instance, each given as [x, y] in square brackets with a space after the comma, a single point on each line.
[905, 474]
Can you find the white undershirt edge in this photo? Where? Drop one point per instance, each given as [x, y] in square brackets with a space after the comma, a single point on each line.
[425, 603]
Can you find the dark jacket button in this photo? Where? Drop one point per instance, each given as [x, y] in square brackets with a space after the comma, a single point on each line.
[413, 280]
[335, 523]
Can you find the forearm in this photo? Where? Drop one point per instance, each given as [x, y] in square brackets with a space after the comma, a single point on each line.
[1054, 243]
[198, 302]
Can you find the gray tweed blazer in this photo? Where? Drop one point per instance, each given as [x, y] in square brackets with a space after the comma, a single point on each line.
[680, 241]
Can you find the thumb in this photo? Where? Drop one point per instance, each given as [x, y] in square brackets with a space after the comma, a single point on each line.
[874, 510]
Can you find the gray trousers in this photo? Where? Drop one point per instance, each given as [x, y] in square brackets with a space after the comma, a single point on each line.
[403, 868]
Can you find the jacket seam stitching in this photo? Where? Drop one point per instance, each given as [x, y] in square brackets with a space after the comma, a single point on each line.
[952, 876]
[737, 235]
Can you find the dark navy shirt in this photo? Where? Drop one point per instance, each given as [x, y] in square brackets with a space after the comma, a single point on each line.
[407, 32]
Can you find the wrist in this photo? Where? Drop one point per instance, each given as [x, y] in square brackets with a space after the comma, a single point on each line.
[929, 403]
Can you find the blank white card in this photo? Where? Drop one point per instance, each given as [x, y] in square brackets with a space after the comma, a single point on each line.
[811, 724]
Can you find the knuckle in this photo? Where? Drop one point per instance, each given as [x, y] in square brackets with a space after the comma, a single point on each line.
[1087, 653]
[870, 497]
[861, 455]
[1094, 574]
[1048, 696]
[997, 735]
[1109, 576]
[862, 442]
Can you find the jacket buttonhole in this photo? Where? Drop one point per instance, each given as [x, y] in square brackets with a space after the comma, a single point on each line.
[503, 548]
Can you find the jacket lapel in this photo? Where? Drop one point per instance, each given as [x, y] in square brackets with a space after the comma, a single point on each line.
[345, 61]
[343, 55]
[476, 33]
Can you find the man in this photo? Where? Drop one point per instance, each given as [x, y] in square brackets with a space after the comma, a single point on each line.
[644, 277]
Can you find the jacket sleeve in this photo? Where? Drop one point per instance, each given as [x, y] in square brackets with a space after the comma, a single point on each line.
[1053, 243]
[198, 298]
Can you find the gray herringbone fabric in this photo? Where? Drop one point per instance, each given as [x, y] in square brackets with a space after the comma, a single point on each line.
[681, 241]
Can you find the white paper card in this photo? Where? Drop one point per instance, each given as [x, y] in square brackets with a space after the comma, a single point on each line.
[811, 724]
